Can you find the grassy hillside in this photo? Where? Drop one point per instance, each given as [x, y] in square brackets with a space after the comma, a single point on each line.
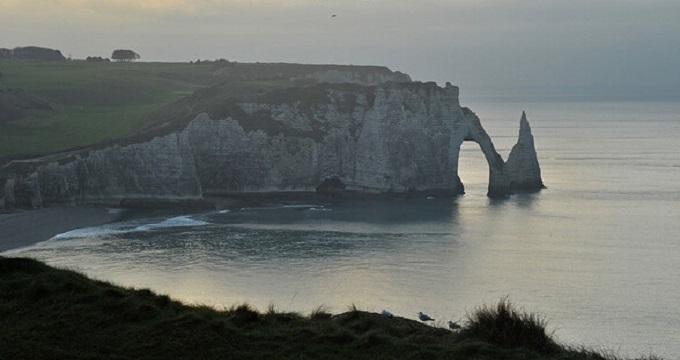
[51, 106]
[47, 313]
[88, 102]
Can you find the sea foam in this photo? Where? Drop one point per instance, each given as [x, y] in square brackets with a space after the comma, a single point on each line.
[129, 227]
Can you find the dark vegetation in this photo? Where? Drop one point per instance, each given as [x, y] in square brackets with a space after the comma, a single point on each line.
[32, 53]
[47, 313]
[219, 62]
[124, 55]
[97, 59]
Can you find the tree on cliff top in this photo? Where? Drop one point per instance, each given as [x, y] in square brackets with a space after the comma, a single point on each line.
[32, 53]
[124, 55]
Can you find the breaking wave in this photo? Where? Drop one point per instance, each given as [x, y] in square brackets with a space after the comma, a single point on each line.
[129, 227]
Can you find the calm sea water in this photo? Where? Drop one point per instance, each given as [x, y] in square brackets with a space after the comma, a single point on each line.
[597, 253]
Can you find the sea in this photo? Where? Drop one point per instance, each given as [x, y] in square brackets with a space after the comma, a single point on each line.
[596, 253]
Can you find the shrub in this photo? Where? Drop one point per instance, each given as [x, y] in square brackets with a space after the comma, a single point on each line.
[320, 313]
[509, 328]
[244, 315]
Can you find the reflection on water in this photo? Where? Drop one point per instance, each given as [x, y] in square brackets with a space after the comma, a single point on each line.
[571, 261]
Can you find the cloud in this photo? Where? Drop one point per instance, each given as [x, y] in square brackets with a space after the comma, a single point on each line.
[473, 42]
[75, 8]
[87, 12]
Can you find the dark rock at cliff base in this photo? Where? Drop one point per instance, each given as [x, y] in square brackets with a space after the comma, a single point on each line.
[188, 205]
[331, 186]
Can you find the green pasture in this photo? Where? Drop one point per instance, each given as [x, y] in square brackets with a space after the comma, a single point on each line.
[93, 101]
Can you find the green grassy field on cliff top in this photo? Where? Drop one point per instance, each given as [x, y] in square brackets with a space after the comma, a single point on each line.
[48, 313]
[86, 102]
[52, 106]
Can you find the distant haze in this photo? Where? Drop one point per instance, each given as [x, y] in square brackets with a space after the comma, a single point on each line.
[605, 48]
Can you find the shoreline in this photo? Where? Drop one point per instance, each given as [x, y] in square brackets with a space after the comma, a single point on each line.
[29, 227]
[24, 228]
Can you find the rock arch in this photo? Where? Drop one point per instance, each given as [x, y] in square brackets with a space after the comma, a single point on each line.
[520, 172]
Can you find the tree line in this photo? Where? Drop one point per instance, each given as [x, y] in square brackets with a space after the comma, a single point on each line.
[46, 54]
[31, 53]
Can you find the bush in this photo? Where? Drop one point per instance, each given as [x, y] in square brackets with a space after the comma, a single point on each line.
[97, 59]
[244, 315]
[509, 328]
[124, 55]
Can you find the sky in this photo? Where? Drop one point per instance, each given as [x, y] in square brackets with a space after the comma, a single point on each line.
[607, 48]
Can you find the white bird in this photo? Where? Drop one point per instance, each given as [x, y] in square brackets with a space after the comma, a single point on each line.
[386, 314]
[424, 317]
[454, 325]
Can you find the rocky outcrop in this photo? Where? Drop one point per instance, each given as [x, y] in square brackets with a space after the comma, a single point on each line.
[7, 201]
[20, 191]
[331, 138]
[162, 168]
[522, 166]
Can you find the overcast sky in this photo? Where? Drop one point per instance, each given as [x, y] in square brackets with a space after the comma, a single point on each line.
[485, 46]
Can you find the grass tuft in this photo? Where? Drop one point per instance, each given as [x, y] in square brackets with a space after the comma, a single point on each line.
[244, 315]
[507, 327]
[320, 313]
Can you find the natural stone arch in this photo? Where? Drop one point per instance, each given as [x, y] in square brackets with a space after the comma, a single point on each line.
[499, 183]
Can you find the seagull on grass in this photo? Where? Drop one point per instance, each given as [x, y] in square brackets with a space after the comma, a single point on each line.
[424, 317]
[454, 325]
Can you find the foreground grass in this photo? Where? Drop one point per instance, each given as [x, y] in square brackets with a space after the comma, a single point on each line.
[47, 313]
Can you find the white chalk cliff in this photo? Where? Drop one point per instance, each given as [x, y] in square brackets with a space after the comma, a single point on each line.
[391, 138]
[522, 166]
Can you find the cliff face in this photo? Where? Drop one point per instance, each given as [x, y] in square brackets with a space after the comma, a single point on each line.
[394, 137]
[162, 168]
[20, 191]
